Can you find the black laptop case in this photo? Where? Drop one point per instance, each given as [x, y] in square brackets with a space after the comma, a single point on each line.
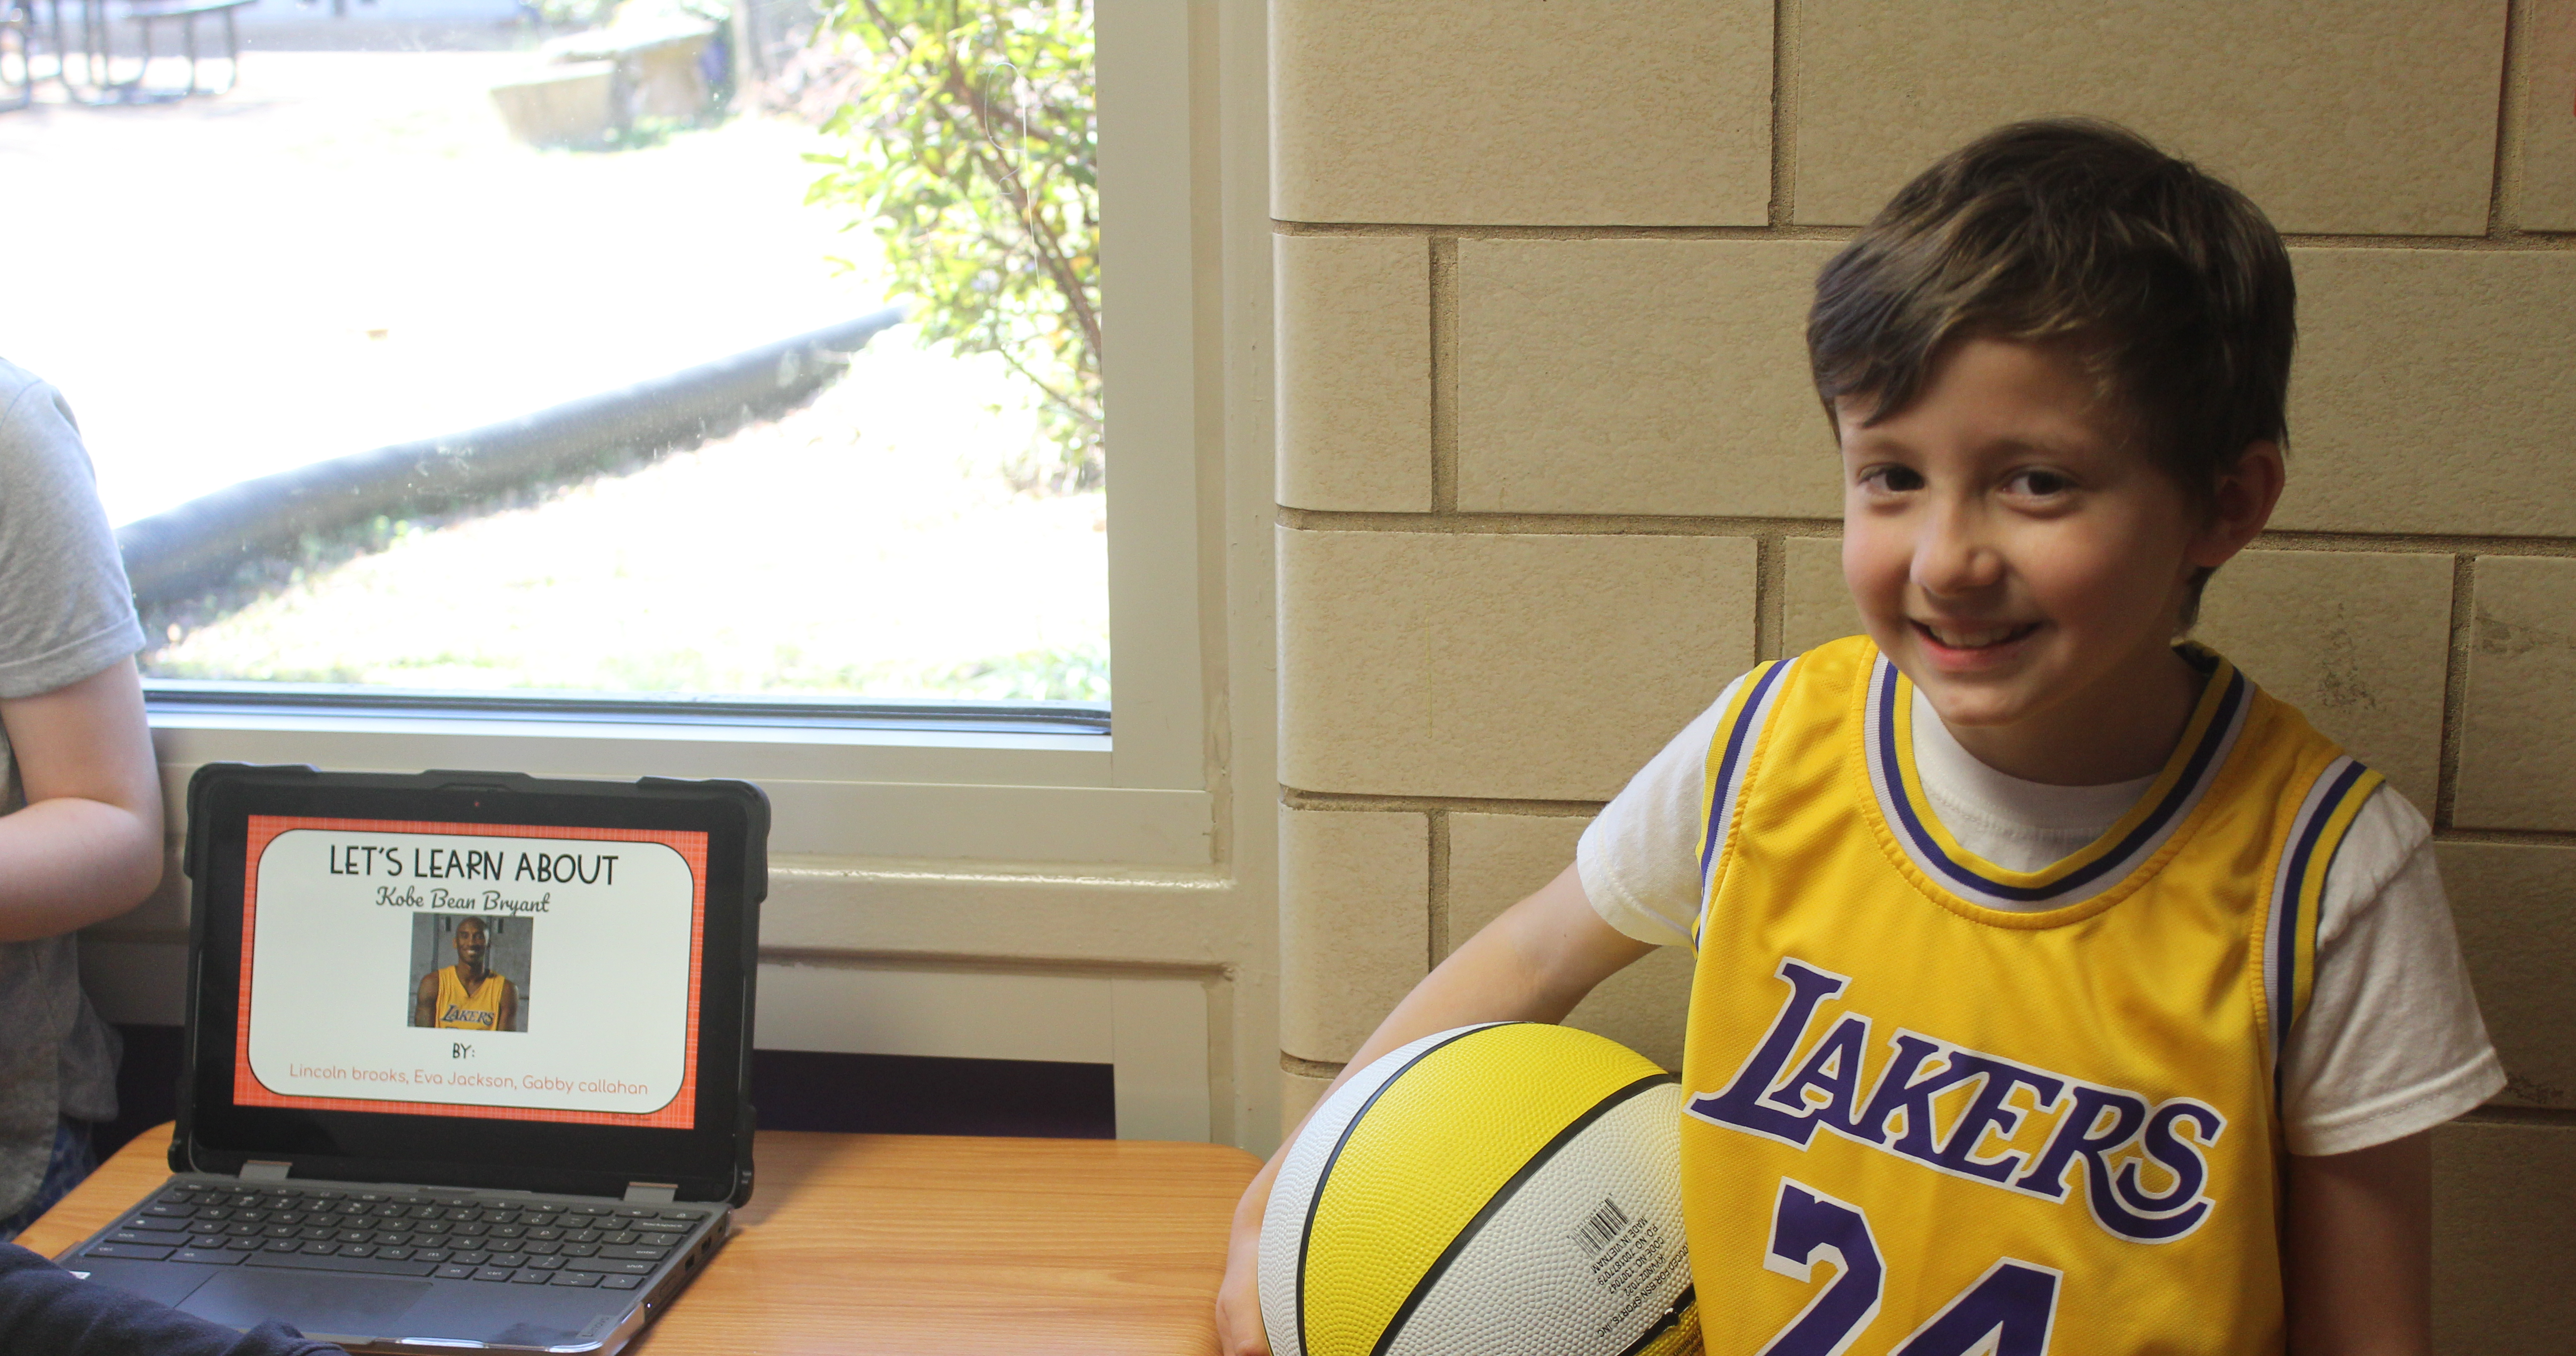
[467, 1056]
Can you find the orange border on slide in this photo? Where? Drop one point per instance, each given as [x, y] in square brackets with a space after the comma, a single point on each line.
[680, 1113]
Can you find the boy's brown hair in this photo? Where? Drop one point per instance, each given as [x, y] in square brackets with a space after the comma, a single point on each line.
[2170, 286]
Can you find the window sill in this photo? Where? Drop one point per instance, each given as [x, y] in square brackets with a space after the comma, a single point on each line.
[1006, 790]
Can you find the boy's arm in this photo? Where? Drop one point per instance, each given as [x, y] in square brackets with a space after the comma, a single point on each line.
[1534, 963]
[2360, 1249]
[87, 846]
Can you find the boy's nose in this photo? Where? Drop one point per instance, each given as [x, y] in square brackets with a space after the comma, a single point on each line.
[1952, 555]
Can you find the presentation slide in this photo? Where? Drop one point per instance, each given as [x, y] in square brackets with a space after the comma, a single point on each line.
[472, 970]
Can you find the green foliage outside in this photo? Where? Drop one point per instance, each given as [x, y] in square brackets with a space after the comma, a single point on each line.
[968, 146]
[1078, 673]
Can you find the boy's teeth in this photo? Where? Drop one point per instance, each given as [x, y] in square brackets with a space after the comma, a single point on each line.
[1970, 640]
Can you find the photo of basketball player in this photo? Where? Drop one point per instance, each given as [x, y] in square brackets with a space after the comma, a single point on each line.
[483, 989]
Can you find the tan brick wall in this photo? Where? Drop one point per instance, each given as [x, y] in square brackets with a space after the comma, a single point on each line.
[1499, 664]
[2515, 904]
[2359, 641]
[1358, 938]
[2432, 392]
[1490, 111]
[1551, 471]
[2518, 763]
[1353, 372]
[1639, 376]
[2541, 182]
[2378, 118]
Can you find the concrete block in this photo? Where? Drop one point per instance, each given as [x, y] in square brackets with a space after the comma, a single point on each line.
[1515, 112]
[1354, 924]
[1816, 606]
[1497, 860]
[2515, 905]
[1641, 376]
[574, 104]
[2361, 643]
[2430, 394]
[1535, 667]
[2518, 747]
[2382, 121]
[2502, 1234]
[1354, 372]
[2544, 173]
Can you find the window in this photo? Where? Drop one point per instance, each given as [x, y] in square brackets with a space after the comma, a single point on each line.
[383, 289]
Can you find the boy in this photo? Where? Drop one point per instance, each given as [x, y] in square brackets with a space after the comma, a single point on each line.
[2059, 987]
[80, 794]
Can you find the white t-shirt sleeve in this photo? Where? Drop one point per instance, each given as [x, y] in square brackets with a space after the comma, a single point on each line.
[1639, 859]
[2391, 1042]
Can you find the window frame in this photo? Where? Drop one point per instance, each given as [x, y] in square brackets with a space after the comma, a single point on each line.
[959, 781]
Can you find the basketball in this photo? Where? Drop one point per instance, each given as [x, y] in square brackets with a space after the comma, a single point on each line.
[1490, 1191]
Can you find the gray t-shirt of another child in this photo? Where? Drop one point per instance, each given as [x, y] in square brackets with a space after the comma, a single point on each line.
[65, 614]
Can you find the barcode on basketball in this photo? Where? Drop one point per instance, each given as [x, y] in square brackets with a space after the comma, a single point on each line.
[1604, 1226]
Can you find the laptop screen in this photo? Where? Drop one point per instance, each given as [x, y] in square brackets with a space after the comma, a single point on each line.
[473, 978]
[495, 971]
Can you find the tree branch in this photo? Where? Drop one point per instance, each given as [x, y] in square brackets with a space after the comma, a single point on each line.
[983, 194]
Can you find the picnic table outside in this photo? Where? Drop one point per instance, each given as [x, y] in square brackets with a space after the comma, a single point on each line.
[86, 66]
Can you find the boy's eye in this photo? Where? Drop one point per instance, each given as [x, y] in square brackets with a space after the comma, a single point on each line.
[2039, 483]
[1892, 478]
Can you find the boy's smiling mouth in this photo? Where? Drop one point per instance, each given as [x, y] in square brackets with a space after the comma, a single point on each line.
[1952, 636]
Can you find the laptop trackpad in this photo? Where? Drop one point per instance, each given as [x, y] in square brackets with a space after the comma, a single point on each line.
[314, 1301]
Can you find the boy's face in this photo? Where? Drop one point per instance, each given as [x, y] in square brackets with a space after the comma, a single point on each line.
[2022, 565]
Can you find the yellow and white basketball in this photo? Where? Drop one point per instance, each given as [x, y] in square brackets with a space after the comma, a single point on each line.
[1502, 1190]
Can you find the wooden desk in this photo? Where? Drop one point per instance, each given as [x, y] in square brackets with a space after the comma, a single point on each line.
[912, 1244]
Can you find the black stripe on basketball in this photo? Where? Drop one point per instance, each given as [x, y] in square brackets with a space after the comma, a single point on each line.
[1315, 1194]
[1440, 1265]
[1671, 1319]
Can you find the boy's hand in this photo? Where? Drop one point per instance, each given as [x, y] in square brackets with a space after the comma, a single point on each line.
[1533, 963]
[1239, 1331]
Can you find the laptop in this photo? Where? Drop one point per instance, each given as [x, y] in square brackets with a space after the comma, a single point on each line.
[467, 1057]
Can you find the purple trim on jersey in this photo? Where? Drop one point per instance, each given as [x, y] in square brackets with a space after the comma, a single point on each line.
[1722, 802]
[2185, 788]
[2285, 926]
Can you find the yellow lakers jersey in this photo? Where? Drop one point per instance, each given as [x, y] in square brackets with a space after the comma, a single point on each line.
[1934, 1107]
[479, 1010]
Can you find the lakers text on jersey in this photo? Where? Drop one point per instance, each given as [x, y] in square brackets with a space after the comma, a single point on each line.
[478, 1010]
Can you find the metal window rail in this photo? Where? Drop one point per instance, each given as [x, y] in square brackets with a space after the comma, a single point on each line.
[191, 696]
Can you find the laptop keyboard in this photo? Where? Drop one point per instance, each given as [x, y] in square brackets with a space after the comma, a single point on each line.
[531, 1242]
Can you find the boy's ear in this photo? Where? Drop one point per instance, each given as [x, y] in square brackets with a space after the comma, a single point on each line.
[2241, 505]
